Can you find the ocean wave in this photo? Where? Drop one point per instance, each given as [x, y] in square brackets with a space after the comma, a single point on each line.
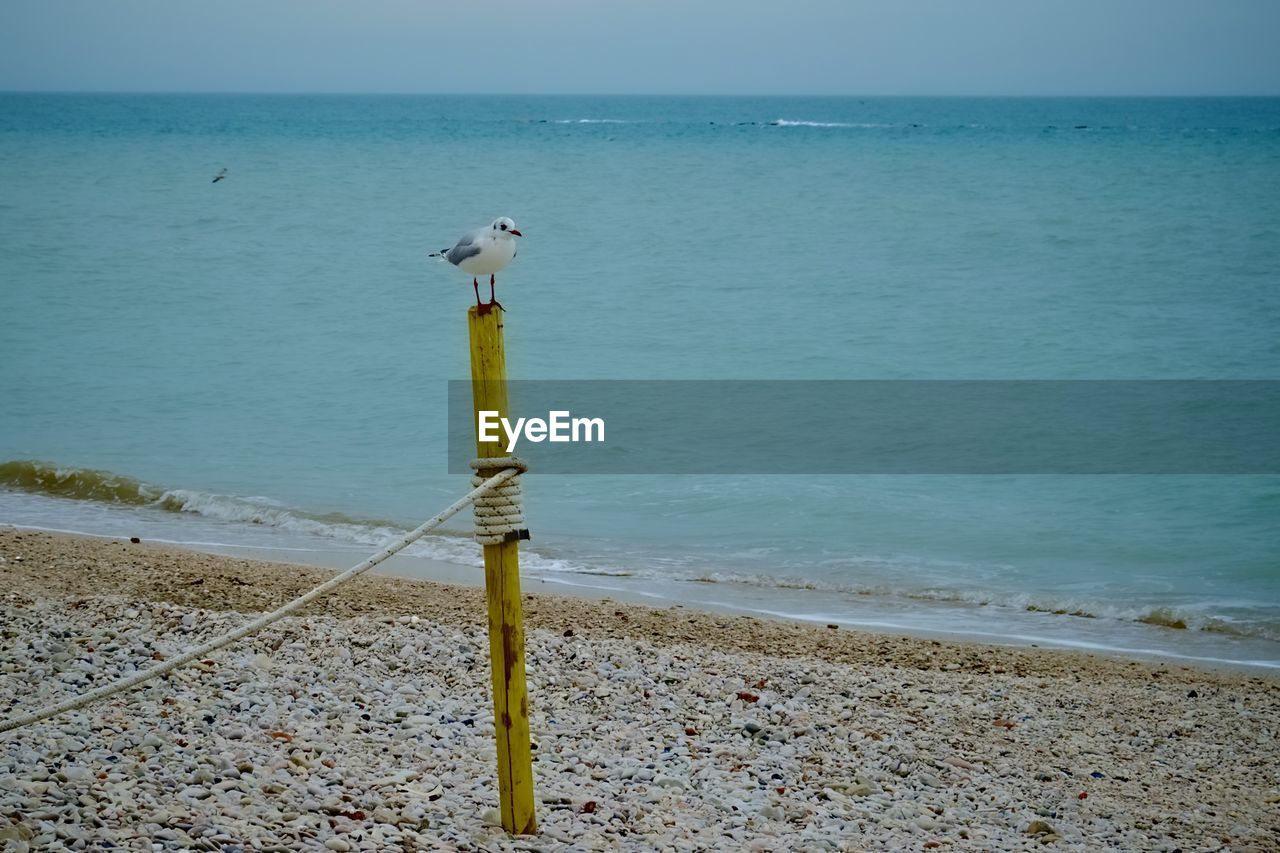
[593, 121]
[88, 484]
[104, 487]
[783, 122]
[272, 514]
[84, 484]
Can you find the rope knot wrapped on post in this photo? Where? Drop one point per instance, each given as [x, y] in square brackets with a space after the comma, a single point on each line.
[500, 514]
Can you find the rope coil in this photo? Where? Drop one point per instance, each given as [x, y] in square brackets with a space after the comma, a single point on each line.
[499, 515]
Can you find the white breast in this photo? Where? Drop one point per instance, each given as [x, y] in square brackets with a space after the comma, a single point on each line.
[495, 253]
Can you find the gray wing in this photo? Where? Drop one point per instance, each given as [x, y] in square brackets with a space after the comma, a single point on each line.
[467, 247]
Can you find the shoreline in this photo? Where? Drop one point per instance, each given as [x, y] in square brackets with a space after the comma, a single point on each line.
[397, 583]
[364, 723]
[951, 622]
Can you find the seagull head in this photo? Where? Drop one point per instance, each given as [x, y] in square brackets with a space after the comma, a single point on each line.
[505, 227]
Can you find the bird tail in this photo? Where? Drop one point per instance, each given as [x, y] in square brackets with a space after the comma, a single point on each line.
[440, 254]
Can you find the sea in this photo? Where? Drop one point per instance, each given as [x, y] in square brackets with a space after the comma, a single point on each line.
[260, 364]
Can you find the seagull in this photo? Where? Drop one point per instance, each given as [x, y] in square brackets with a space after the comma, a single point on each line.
[220, 175]
[484, 250]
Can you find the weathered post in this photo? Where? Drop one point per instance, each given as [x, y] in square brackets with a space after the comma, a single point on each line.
[502, 590]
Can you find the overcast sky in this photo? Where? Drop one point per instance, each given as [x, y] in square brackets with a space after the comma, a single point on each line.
[868, 47]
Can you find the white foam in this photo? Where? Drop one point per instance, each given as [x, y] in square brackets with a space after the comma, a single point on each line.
[783, 122]
[226, 508]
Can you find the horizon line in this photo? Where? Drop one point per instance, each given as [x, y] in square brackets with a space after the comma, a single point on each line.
[320, 93]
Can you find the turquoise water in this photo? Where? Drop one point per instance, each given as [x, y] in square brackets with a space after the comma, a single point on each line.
[271, 352]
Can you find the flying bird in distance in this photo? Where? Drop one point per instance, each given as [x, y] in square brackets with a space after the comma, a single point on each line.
[220, 175]
[484, 251]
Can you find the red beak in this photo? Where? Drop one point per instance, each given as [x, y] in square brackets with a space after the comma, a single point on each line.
[515, 232]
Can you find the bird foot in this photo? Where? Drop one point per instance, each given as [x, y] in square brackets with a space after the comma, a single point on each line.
[483, 308]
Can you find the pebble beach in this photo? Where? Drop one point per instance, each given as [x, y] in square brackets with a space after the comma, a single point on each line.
[365, 723]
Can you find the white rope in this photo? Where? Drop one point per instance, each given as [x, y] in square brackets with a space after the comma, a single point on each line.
[482, 488]
[500, 514]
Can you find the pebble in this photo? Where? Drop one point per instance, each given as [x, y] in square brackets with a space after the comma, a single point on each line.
[286, 744]
[1039, 827]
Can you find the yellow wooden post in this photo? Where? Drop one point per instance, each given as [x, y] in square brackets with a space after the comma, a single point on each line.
[502, 590]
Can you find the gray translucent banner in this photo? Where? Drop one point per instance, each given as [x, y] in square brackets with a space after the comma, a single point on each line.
[888, 427]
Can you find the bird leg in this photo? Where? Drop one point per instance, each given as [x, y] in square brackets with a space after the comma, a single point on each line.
[492, 300]
[483, 308]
